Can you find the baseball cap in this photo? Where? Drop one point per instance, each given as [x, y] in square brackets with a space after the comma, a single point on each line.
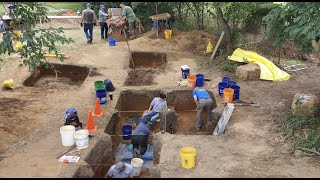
[89, 5]
[101, 6]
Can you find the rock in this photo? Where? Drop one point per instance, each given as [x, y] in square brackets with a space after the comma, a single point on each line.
[298, 153]
[248, 72]
[304, 104]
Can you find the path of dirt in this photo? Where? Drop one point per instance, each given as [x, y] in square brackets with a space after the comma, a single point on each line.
[30, 138]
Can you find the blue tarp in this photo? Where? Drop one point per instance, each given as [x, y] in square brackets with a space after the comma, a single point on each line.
[124, 153]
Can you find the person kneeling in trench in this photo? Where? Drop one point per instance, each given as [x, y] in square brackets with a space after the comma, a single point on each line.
[120, 170]
[157, 104]
[140, 138]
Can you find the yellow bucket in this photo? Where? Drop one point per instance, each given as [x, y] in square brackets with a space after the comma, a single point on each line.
[188, 157]
[168, 33]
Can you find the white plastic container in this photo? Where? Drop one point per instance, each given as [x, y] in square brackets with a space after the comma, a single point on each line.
[82, 138]
[136, 163]
[67, 135]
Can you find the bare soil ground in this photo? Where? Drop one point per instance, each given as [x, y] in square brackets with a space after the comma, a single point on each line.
[30, 117]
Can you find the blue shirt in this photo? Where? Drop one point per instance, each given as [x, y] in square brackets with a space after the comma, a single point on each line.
[201, 94]
[141, 129]
[158, 104]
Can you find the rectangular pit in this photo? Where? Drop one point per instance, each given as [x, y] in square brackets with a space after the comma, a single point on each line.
[147, 65]
[134, 103]
[69, 76]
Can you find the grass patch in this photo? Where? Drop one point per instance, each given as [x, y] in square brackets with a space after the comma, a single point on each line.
[303, 131]
[67, 5]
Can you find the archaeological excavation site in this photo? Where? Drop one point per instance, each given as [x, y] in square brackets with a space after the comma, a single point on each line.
[178, 97]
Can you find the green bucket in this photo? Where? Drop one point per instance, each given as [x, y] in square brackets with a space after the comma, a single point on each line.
[99, 85]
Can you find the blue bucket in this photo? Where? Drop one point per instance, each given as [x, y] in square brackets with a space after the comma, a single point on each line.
[126, 131]
[236, 94]
[221, 87]
[232, 83]
[200, 80]
[112, 41]
[102, 95]
[71, 111]
[226, 79]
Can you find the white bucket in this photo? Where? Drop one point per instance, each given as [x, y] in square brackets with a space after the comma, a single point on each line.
[136, 163]
[67, 135]
[82, 138]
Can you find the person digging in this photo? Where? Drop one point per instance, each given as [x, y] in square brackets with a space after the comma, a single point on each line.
[202, 100]
[140, 138]
[131, 18]
[120, 170]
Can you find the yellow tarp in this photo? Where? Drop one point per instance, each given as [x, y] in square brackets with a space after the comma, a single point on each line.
[269, 71]
[209, 47]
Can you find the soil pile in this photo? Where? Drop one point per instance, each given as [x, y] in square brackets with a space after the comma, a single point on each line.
[68, 12]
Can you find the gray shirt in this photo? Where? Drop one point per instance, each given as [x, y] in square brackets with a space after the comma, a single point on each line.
[88, 16]
[102, 17]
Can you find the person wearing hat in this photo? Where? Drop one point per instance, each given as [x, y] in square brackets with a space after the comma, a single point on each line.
[88, 19]
[140, 138]
[120, 170]
[127, 11]
[102, 22]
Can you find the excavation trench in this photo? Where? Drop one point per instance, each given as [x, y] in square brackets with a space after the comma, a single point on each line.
[67, 77]
[144, 66]
[180, 119]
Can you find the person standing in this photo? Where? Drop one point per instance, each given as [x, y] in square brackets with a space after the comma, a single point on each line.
[127, 11]
[88, 19]
[102, 22]
[157, 104]
[120, 170]
[203, 100]
[3, 31]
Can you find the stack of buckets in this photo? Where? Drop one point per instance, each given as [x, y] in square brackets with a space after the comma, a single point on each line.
[193, 80]
[229, 90]
[101, 91]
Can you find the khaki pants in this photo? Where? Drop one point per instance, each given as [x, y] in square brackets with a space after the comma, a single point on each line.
[204, 103]
[132, 27]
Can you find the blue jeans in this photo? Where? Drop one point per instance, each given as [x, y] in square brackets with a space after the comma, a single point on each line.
[154, 116]
[87, 27]
[103, 30]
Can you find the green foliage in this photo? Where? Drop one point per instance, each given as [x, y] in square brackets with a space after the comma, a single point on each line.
[36, 42]
[230, 66]
[303, 130]
[298, 21]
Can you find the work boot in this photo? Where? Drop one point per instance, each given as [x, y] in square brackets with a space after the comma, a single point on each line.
[88, 40]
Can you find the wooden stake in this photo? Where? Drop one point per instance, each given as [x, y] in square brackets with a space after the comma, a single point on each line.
[217, 45]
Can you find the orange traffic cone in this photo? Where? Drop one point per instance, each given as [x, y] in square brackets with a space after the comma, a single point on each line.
[97, 112]
[90, 123]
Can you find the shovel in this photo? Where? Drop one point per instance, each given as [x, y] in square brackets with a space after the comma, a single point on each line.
[125, 36]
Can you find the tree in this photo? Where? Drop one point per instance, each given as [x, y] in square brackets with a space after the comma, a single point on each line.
[297, 21]
[35, 42]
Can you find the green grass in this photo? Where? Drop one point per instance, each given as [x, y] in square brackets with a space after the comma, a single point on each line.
[303, 131]
[67, 5]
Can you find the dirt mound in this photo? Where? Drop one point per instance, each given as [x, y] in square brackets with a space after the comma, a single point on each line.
[192, 41]
[140, 77]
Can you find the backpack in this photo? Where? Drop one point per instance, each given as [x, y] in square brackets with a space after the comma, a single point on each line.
[73, 120]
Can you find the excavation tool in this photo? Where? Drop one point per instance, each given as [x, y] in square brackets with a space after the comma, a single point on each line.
[65, 152]
[126, 38]
[242, 102]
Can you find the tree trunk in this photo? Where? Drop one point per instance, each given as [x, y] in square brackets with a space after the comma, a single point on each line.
[223, 25]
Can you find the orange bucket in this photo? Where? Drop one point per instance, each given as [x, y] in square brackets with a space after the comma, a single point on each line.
[191, 81]
[228, 95]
